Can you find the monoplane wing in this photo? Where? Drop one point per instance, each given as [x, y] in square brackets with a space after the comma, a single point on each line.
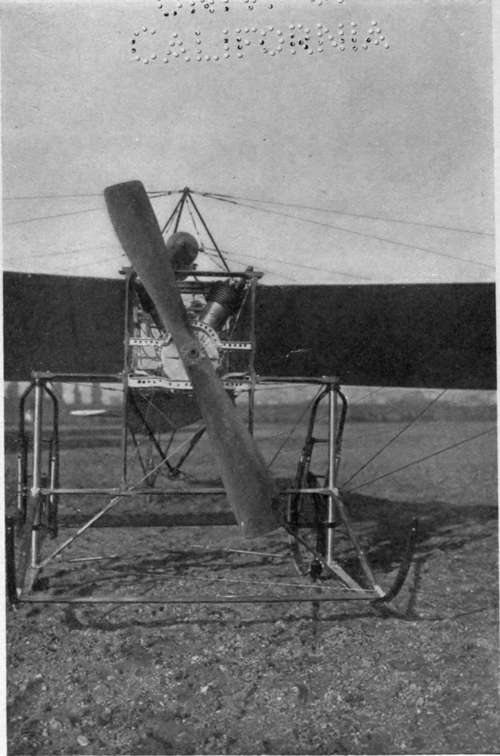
[402, 335]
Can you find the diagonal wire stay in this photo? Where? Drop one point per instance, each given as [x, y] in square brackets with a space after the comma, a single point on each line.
[115, 500]
[215, 257]
[369, 393]
[291, 264]
[57, 215]
[76, 195]
[384, 239]
[386, 219]
[293, 429]
[377, 237]
[424, 459]
[90, 264]
[398, 434]
[46, 254]
[240, 260]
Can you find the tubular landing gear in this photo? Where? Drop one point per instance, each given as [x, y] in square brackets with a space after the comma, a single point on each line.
[321, 536]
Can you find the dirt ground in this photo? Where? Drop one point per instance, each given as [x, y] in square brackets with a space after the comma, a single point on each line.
[280, 678]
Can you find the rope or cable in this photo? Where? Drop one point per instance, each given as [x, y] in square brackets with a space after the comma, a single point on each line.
[168, 457]
[307, 267]
[293, 429]
[52, 196]
[57, 215]
[54, 253]
[370, 393]
[92, 263]
[423, 459]
[207, 230]
[152, 193]
[163, 192]
[193, 221]
[359, 233]
[316, 268]
[216, 195]
[150, 405]
[373, 236]
[263, 270]
[73, 212]
[398, 434]
[350, 438]
[214, 257]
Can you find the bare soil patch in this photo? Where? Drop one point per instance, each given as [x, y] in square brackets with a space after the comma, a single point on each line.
[270, 678]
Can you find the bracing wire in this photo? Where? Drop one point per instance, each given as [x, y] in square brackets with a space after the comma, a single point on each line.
[379, 432]
[152, 406]
[396, 436]
[53, 196]
[217, 195]
[263, 270]
[84, 265]
[56, 215]
[423, 459]
[370, 393]
[293, 429]
[164, 192]
[214, 257]
[238, 259]
[193, 221]
[152, 193]
[306, 267]
[375, 237]
[93, 263]
[207, 230]
[244, 202]
[56, 253]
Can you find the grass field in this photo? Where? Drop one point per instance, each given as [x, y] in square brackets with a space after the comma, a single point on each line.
[282, 678]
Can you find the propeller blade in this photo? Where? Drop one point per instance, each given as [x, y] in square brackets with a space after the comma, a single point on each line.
[247, 481]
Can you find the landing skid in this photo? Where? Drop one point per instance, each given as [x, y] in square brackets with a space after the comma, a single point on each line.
[317, 519]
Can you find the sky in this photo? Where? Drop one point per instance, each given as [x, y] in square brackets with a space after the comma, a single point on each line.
[342, 166]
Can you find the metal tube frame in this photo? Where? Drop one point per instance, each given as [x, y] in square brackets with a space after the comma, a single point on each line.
[10, 561]
[336, 509]
[22, 460]
[350, 589]
[39, 502]
[252, 277]
[54, 463]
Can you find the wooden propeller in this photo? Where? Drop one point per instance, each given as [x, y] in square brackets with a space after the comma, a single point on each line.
[247, 481]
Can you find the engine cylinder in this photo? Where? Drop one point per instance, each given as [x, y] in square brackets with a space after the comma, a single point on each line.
[223, 299]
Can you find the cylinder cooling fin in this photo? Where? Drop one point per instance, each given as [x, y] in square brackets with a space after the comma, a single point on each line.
[223, 300]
